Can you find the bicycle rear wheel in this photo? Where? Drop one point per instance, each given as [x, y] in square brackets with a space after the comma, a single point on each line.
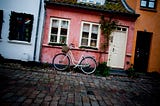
[88, 65]
[61, 61]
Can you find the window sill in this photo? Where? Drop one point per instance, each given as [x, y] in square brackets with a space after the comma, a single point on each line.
[19, 42]
[87, 47]
[56, 44]
[148, 9]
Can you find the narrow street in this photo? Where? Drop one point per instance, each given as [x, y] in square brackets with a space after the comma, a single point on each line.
[24, 86]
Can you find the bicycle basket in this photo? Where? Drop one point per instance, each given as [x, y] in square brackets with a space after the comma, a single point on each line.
[65, 49]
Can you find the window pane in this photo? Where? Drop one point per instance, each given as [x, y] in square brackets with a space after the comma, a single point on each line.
[124, 29]
[119, 28]
[85, 35]
[55, 23]
[54, 30]
[95, 29]
[64, 24]
[84, 42]
[91, 1]
[151, 5]
[114, 1]
[93, 36]
[143, 3]
[100, 2]
[27, 29]
[53, 38]
[93, 43]
[63, 31]
[84, 0]
[19, 29]
[63, 39]
[86, 27]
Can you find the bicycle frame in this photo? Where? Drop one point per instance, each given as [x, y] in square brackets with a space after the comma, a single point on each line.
[73, 60]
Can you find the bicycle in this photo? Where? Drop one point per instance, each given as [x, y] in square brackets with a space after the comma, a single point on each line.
[61, 61]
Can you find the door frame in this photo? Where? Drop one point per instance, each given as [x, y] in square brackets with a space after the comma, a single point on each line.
[120, 29]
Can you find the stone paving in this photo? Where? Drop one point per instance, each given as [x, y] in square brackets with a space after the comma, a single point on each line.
[47, 87]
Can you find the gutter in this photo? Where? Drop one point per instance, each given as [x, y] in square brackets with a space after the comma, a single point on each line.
[37, 30]
[127, 6]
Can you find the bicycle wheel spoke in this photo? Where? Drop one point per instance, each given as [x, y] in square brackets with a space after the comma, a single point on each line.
[88, 65]
[61, 62]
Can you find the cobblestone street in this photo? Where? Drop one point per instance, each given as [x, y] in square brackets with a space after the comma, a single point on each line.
[49, 87]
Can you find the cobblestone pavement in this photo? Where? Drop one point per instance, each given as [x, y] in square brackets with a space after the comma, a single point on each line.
[54, 88]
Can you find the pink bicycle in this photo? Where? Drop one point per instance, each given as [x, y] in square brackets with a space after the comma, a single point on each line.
[62, 61]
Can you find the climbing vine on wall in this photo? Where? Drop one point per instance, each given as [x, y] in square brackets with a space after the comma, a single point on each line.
[107, 27]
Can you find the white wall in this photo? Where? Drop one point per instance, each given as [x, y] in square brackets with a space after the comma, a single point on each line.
[21, 50]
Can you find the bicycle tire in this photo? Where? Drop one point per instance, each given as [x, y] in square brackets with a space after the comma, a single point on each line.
[61, 62]
[90, 63]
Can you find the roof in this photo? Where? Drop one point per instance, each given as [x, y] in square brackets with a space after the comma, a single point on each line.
[118, 7]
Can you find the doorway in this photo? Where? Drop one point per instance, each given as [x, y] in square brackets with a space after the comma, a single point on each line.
[142, 51]
[117, 48]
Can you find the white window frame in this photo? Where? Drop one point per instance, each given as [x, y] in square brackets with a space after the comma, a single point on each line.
[90, 30]
[93, 1]
[59, 27]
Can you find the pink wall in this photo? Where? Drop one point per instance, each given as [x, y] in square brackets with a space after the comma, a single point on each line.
[75, 17]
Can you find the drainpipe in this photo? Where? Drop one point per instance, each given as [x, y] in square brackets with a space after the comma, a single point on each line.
[127, 7]
[37, 30]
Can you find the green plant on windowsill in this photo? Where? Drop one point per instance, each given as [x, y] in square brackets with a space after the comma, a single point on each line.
[102, 69]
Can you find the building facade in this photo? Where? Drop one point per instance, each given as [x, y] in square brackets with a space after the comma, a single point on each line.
[21, 24]
[78, 22]
[146, 47]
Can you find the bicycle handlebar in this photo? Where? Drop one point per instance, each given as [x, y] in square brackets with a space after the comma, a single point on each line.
[71, 45]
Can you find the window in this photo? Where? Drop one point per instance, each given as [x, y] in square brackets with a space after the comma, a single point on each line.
[1, 22]
[113, 1]
[89, 34]
[151, 4]
[97, 2]
[20, 26]
[59, 30]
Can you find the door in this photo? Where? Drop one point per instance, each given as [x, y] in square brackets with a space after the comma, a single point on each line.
[142, 51]
[117, 48]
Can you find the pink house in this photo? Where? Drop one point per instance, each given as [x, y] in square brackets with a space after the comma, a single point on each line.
[77, 22]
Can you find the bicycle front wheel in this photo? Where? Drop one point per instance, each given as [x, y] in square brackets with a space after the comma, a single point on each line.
[88, 65]
[61, 61]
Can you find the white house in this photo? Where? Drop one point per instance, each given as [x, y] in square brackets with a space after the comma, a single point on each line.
[21, 28]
